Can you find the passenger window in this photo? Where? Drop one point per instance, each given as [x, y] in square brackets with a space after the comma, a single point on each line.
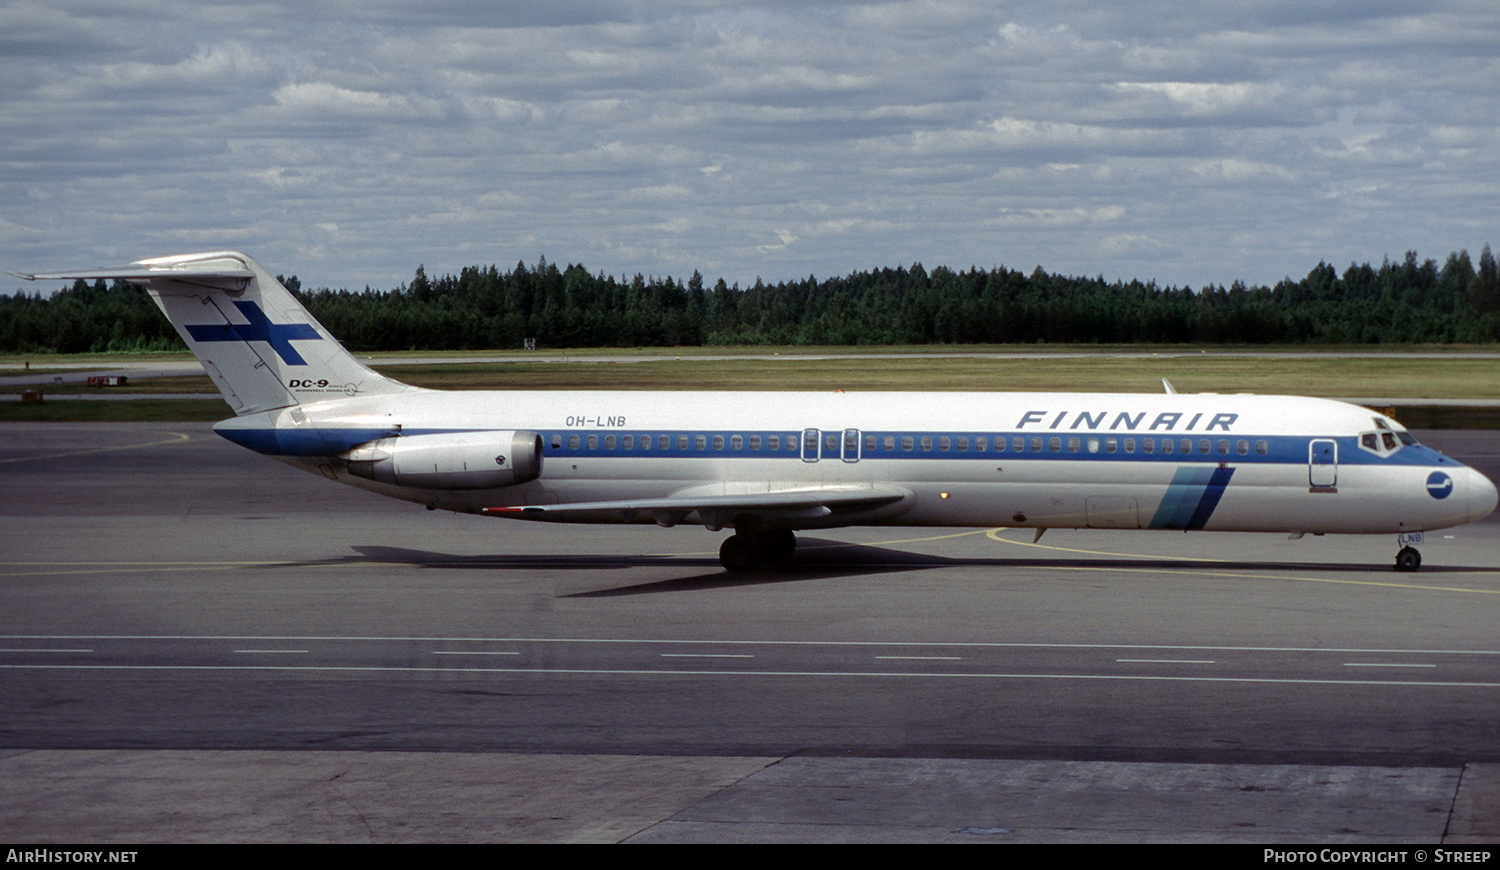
[1111, 445]
[1129, 445]
[963, 443]
[718, 442]
[1148, 445]
[1203, 446]
[737, 443]
[754, 442]
[682, 442]
[1187, 446]
[1262, 448]
[1036, 444]
[593, 442]
[906, 442]
[945, 443]
[1093, 445]
[889, 442]
[1073, 445]
[1054, 444]
[869, 442]
[926, 443]
[773, 442]
[628, 442]
[1223, 446]
[665, 441]
[556, 441]
[1167, 444]
[572, 442]
[982, 445]
[1242, 447]
[1018, 443]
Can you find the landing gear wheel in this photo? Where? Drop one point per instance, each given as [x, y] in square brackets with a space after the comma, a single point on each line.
[778, 545]
[1408, 559]
[739, 553]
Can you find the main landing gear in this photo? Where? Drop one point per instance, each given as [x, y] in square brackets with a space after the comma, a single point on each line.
[743, 551]
[1408, 559]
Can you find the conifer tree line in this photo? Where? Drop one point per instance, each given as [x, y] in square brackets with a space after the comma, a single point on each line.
[482, 307]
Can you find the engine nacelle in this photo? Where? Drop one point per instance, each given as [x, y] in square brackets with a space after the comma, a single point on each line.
[458, 460]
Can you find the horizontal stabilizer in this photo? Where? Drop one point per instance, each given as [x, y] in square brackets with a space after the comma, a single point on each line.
[141, 272]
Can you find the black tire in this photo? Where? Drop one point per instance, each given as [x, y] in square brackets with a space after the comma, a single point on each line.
[739, 553]
[778, 546]
[1408, 559]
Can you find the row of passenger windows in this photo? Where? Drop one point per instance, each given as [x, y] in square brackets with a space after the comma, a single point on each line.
[683, 442]
[1075, 444]
[850, 446]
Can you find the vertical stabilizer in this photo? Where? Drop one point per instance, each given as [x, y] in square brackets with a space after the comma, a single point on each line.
[259, 345]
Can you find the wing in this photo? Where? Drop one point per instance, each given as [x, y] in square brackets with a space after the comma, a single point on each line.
[790, 508]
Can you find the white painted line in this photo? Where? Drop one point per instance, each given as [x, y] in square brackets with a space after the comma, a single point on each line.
[921, 658]
[768, 643]
[1171, 661]
[1384, 665]
[34, 650]
[258, 651]
[705, 656]
[471, 652]
[880, 675]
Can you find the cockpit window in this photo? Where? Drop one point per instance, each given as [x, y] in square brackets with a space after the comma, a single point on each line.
[1387, 438]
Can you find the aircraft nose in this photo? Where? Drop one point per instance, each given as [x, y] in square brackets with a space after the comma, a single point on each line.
[1480, 496]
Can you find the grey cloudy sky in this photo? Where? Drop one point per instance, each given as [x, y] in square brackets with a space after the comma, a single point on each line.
[347, 142]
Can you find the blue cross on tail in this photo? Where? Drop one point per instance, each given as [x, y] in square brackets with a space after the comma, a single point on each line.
[260, 328]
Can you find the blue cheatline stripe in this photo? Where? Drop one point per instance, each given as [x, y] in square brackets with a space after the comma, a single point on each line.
[1191, 497]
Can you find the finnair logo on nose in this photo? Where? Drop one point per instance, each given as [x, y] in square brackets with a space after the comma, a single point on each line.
[260, 328]
[1439, 485]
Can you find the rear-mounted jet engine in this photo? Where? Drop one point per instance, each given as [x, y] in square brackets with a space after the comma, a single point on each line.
[458, 460]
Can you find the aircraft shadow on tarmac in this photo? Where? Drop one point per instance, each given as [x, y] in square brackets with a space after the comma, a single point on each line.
[821, 560]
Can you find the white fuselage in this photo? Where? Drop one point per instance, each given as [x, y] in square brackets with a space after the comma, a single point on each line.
[1039, 460]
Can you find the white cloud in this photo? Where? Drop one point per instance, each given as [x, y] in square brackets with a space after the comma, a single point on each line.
[1185, 142]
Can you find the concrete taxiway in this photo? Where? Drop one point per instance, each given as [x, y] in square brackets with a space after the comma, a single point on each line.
[201, 644]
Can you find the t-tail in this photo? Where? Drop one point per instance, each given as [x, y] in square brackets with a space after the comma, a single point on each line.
[262, 349]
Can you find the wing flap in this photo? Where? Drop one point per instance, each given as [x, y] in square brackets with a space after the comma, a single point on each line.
[812, 506]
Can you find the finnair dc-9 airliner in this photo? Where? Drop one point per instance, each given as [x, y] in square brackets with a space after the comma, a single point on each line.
[767, 464]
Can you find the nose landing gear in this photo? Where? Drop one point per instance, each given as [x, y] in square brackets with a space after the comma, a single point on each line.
[1408, 559]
